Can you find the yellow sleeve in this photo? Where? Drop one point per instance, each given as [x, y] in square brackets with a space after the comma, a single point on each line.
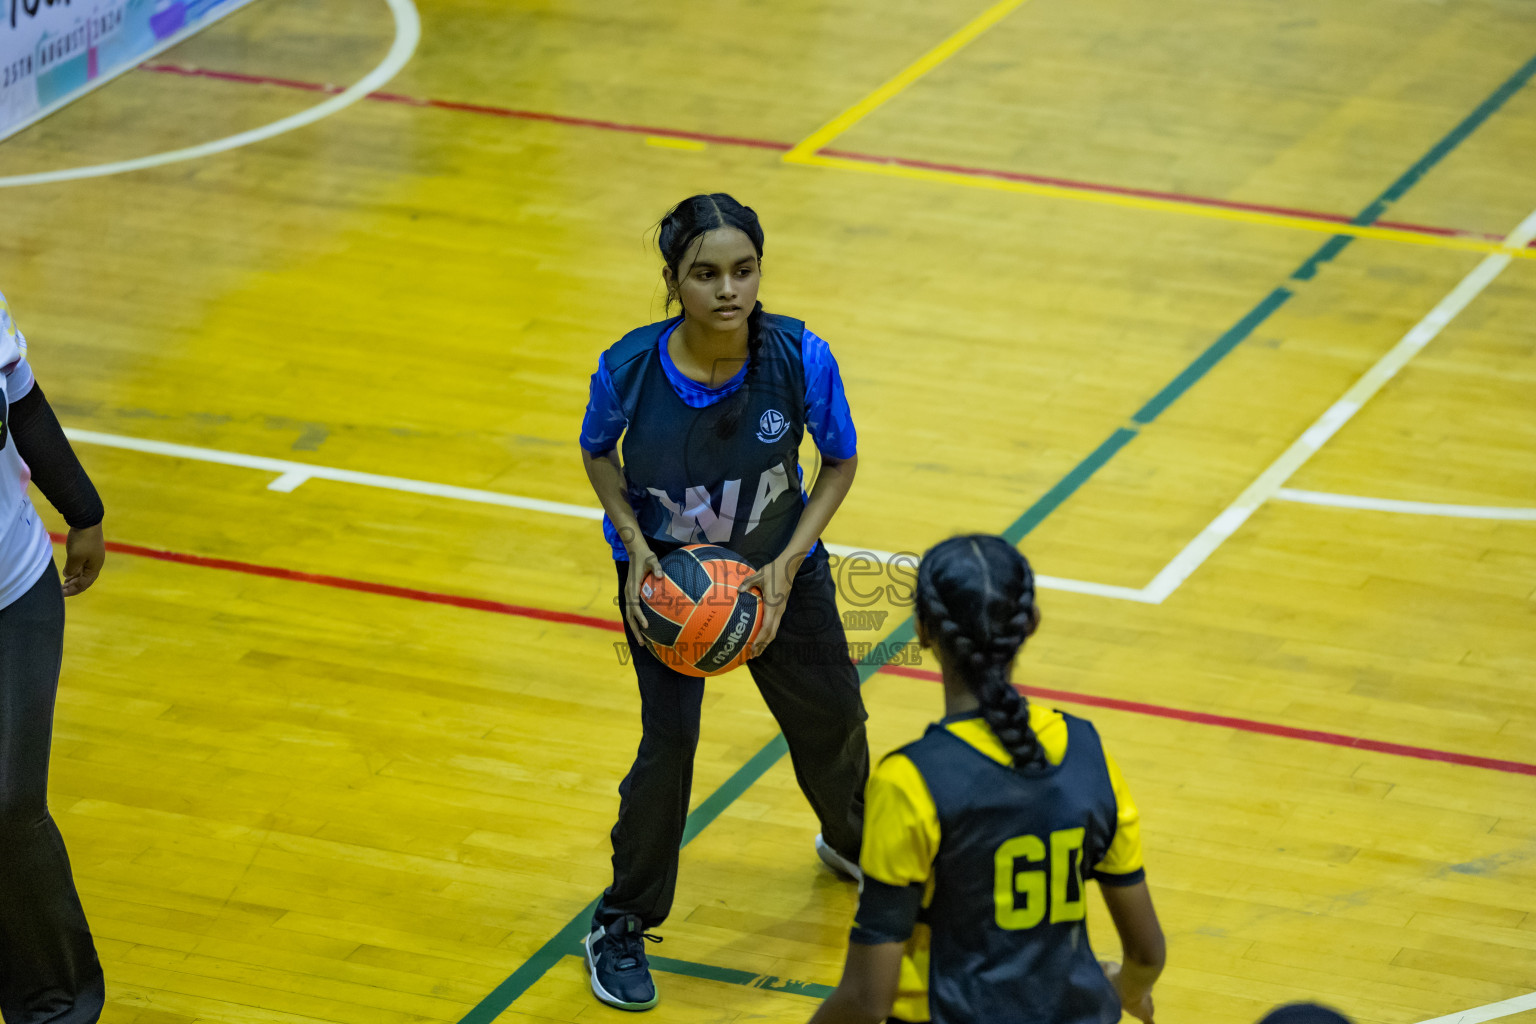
[1124, 855]
[901, 840]
[901, 825]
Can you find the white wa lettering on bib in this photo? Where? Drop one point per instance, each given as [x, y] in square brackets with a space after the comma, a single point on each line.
[696, 514]
[696, 519]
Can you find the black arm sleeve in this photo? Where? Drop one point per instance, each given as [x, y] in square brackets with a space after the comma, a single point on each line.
[55, 470]
[886, 913]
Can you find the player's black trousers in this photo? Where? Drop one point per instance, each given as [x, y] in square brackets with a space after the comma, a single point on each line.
[811, 688]
[48, 967]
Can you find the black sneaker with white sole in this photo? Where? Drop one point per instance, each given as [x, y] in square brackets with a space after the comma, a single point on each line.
[621, 974]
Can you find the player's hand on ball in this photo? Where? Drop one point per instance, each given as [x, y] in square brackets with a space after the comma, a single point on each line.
[642, 563]
[84, 552]
[772, 584]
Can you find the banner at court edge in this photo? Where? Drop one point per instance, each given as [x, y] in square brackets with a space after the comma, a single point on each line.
[53, 51]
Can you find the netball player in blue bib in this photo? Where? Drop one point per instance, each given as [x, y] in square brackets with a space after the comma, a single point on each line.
[980, 838]
[711, 406]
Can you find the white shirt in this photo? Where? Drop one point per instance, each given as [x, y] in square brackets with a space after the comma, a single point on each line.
[25, 550]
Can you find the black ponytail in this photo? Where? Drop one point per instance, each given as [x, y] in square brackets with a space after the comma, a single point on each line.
[683, 226]
[976, 602]
[730, 418]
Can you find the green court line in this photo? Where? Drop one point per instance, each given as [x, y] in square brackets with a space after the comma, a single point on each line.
[1068, 485]
[1250, 321]
[729, 976]
[534, 968]
[1335, 245]
[550, 953]
[747, 775]
[1218, 351]
[710, 807]
[709, 972]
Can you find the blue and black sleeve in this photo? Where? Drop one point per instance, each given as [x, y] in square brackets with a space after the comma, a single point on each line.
[827, 414]
[604, 422]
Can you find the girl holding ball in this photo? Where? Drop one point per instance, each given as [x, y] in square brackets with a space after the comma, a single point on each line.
[710, 406]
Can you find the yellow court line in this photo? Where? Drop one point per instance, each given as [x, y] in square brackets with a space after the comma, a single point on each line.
[807, 152]
[664, 142]
[1169, 206]
[807, 147]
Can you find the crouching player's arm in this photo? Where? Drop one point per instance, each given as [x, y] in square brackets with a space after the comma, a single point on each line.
[885, 961]
[1130, 907]
[1122, 880]
[868, 989]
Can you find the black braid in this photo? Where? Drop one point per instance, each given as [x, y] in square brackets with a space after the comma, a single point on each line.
[688, 222]
[976, 601]
[730, 419]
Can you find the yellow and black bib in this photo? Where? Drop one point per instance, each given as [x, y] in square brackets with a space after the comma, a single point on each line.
[1009, 907]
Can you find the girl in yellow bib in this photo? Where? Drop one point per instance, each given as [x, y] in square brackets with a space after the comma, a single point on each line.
[980, 838]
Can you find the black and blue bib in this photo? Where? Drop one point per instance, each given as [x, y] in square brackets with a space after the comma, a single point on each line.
[724, 474]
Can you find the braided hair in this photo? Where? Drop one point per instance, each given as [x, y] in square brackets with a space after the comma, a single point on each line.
[976, 604]
[682, 231]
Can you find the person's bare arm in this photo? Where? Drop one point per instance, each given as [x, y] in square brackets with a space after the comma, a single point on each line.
[1141, 937]
[774, 579]
[607, 479]
[868, 988]
[57, 473]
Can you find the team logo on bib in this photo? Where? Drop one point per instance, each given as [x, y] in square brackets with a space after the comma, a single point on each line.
[772, 426]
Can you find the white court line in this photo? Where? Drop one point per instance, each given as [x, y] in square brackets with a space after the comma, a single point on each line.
[1493, 1011]
[290, 475]
[407, 35]
[1282, 469]
[1414, 508]
[1044, 582]
[1270, 484]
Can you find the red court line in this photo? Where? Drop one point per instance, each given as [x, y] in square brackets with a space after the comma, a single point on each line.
[472, 108]
[1144, 193]
[613, 626]
[1249, 725]
[361, 586]
[737, 140]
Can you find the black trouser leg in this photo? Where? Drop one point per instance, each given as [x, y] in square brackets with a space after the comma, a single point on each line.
[48, 967]
[812, 689]
[653, 798]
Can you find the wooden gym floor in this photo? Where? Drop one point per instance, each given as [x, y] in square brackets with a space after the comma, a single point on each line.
[341, 726]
